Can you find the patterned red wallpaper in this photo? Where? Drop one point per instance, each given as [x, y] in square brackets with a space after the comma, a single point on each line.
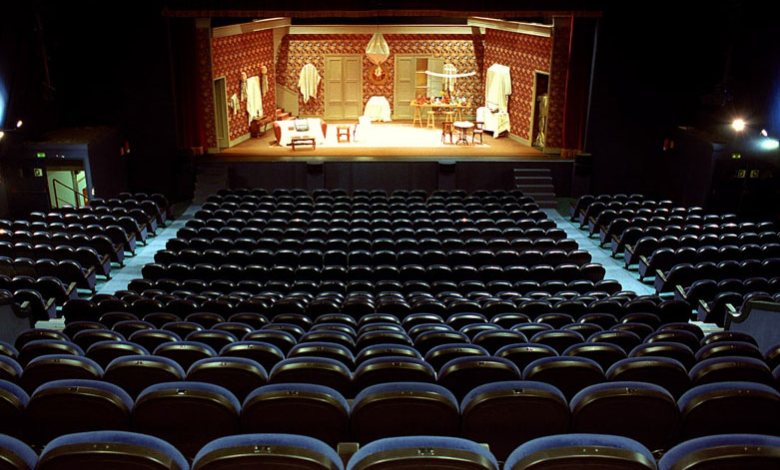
[296, 51]
[559, 71]
[524, 54]
[246, 52]
[203, 46]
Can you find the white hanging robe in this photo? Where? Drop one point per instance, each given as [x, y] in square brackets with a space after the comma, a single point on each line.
[254, 100]
[498, 86]
[308, 82]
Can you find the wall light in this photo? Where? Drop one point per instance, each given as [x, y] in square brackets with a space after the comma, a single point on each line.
[769, 144]
[738, 124]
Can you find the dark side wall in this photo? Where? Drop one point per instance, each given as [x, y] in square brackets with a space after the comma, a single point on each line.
[101, 66]
[671, 65]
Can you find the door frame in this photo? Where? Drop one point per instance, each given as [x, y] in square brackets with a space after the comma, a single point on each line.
[533, 127]
[221, 121]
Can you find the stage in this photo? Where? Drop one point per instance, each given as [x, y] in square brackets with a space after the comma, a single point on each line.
[387, 156]
[391, 140]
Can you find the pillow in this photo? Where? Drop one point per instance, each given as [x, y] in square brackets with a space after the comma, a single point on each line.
[301, 125]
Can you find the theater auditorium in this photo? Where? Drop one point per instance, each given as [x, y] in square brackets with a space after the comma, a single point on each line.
[374, 235]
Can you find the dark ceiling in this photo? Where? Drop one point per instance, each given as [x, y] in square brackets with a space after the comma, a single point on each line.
[402, 10]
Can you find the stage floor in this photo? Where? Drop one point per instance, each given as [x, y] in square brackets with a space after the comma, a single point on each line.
[385, 141]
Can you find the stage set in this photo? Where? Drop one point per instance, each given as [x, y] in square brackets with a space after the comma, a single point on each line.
[462, 105]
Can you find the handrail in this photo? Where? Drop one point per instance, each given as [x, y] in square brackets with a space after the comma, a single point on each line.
[57, 199]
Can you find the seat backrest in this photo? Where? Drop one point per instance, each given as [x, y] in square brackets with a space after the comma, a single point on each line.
[604, 452]
[186, 414]
[65, 406]
[403, 408]
[110, 449]
[305, 409]
[279, 451]
[422, 452]
[528, 410]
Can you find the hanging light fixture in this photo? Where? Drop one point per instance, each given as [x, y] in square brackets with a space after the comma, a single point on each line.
[377, 51]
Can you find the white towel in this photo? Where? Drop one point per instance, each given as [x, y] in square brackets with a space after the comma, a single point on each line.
[498, 85]
[308, 82]
[254, 100]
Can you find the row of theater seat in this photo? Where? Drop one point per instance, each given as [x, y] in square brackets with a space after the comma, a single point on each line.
[73, 237]
[283, 231]
[673, 356]
[190, 414]
[648, 244]
[663, 259]
[685, 274]
[96, 450]
[84, 255]
[544, 243]
[554, 254]
[412, 272]
[360, 301]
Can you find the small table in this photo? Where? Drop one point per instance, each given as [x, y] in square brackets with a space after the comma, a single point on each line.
[462, 126]
[304, 140]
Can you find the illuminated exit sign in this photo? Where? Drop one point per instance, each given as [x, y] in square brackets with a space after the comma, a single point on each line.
[41, 155]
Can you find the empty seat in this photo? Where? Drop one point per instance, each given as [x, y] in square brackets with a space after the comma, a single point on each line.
[753, 451]
[13, 401]
[733, 407]
[110, 449]
[16, 455]
[462, 374]
[135, 373]
[282, 451]
[307, 409]
[314, 370]
[422, 452]
[42, 347]
[52, 367]
[666, 372]
[185, 353]
[67, 406]
[402, 409]
[605, 354]
[103, 352]
[569, 374]
[386, 369]
[507, 414]
[577, 451]
[731, 368]
[642, 411]
[237, 374]
[186, 414]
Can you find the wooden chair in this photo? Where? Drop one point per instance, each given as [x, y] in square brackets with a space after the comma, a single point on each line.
[479, 129]
[446, 129]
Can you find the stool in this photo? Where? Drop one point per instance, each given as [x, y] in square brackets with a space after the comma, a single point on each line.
[431, 120]
[449, 116]
[416, 116]
[342, 131]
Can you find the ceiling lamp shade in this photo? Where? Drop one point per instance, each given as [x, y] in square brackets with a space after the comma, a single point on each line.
[377, 49]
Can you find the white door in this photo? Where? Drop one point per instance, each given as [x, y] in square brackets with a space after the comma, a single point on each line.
[404, 86]
[220, 113]
[343, 87]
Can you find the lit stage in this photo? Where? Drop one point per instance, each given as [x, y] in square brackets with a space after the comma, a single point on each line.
[387, 156]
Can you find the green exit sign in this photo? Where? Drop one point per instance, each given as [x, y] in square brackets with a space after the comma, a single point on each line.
[41, 155]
